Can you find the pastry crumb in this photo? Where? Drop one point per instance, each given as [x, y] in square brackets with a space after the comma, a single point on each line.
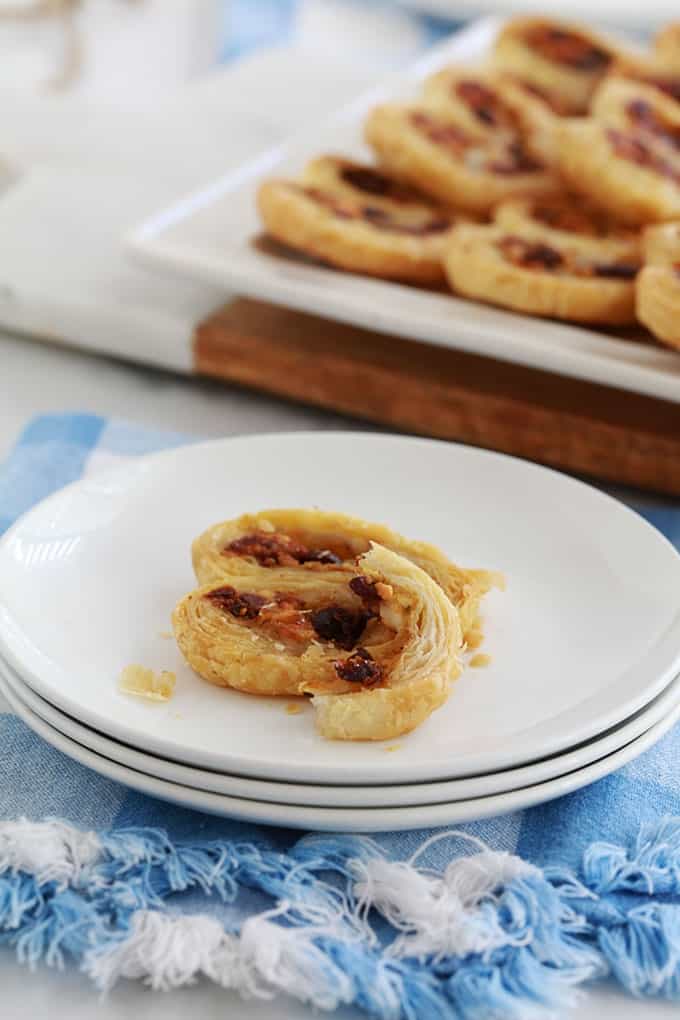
[293, 708]
[392, 747]
[166, 634]
[474, 639]
[480, 660]
[145, 683]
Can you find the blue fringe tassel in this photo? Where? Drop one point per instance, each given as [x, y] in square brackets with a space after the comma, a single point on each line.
[557, 930]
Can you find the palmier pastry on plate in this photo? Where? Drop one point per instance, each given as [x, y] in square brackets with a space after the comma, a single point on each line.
[649, 72]
[567, 220]
[359, 218]
[528, 275]
[468, 169]
[632, 171]
[377, 653]
[484, 101]
[556, 57]
[273, 548]
[658, 301]
[629, 104]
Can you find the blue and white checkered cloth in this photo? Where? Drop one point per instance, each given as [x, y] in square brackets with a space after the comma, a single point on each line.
[561, 894]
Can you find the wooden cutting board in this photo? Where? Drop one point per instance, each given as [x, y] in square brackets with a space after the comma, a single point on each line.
[583, 427]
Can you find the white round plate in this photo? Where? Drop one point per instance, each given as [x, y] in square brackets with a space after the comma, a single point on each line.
[342, 819]
[346, 796]
[587, 633]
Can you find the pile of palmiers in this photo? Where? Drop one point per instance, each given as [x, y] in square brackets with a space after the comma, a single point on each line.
[526, 182]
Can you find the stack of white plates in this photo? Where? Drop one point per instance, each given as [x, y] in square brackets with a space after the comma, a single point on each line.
[584, 644]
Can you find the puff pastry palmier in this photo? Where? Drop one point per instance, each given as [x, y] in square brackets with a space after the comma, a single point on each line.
[658, 302]
[378, 652]
[556, 57]
[631, 171]
[567, 221]
[527, 275]
[487, 102]
[629, 104]
[278, 547]
[649, 72]
[468, 169]
[358, 218]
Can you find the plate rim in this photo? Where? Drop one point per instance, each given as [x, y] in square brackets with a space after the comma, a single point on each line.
[255, 789]
[548, 748]
[345, 819]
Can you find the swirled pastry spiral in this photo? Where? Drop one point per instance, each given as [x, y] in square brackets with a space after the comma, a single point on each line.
[359, 218]
[528, 275]
[299, 546]
[489, 103]
[377, 652]
[567, 221]
[628, 104]
[647, 71]
[633, 171]
[471, 170]
[556, 57]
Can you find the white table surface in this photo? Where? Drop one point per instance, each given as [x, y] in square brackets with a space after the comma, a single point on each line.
[37, 378]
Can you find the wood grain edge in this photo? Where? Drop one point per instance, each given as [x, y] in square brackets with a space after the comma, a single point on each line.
[583, 427]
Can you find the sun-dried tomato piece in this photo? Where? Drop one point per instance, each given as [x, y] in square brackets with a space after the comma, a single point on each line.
[342, 626]
[567, 47]
[360, 668]
[570, 219]
[448, 135]
[483, 102]
[670, 85]
[364, 588]
[272, 549]
[365, 179]
[374, 182]
[617, 270]
[530, 254]
[516, 160]
[633, 148]
[243, 605]
[643, 116]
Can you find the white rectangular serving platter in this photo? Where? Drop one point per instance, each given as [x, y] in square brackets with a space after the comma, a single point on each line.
[209, 236]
